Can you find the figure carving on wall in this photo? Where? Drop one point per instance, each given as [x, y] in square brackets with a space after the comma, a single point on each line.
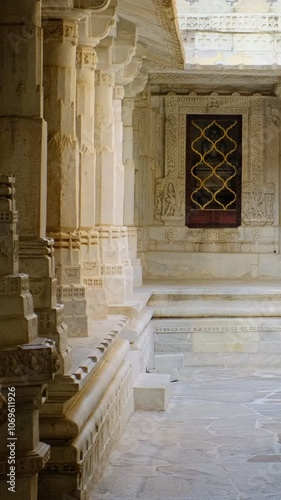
[158, 202]
[170, 199]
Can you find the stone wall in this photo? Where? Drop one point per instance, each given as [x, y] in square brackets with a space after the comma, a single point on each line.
[168, 247]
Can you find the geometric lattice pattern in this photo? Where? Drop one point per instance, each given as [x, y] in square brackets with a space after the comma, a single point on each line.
[214, 170]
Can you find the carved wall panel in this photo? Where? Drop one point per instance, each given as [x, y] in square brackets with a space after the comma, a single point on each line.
[260, 146]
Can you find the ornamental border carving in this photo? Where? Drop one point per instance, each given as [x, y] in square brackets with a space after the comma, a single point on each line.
[216, 329]
[166, 11]
[257, 194]
[86, 56]
[61, 28]
[105, 78]
[204, 77]
[36, 363]
[231, 22]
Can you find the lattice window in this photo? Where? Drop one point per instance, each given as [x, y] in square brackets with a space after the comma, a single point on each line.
[213, 187]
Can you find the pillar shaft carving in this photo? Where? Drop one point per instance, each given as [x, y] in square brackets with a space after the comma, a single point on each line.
[60, 79]
[129, 187]
[116, 54]
[128, 160]
[117, 106]
[27, 363]
[106, 157]
[23, 141]
[89, 250]
[86, 61]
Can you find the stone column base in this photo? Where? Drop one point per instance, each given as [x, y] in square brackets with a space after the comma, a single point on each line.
[114, 279]
[129, 275]
[137, 272]
[97, 303]
[73, 297]
[51, 324]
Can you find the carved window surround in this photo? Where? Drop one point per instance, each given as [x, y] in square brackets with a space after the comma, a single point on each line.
[259, 148]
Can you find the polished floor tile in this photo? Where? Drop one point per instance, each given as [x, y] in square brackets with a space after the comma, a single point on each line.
[218, 440]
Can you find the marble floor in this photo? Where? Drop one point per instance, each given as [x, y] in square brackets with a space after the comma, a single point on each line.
[218, 440]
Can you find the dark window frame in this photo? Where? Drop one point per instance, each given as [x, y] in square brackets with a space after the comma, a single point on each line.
[213, 218]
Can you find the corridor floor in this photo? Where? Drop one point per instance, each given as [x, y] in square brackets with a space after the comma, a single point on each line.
[218, 440]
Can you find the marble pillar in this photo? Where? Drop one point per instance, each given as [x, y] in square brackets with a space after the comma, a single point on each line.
[60, 40]
[86, 61]
[119, 207]
[107, 196]
[129, 187]
[23, 143]
[27, 363]
[106, 156]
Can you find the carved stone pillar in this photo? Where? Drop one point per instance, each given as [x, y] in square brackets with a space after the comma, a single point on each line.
[86, 61]
[118, 96]
[106, 189]
[129, 188]
[23, 143]
[115, 54]
[60, 39]
[106, 156]
[27, 363]
[119, 208]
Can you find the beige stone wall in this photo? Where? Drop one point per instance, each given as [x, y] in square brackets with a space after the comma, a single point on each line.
[170, 248]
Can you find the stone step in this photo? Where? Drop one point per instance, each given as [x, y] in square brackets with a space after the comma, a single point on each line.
[168, 363]
[219, 300]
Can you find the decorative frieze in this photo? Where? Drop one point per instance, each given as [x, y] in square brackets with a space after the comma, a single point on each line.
[86, 56]
[70, 292]
[111, 270]
[231, 22]
[94, 282]
[230, 42]
[223, 77]
[217, 329]
[29, 364]
[118, 92]
[61, 30]
[105, 78]
[165, 9]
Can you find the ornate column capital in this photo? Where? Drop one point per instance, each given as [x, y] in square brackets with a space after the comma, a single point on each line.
[86, 57]
[105, 78]
[62, 30]
[118, 92]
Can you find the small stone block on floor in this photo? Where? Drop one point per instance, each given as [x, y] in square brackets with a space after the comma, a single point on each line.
[152, 392]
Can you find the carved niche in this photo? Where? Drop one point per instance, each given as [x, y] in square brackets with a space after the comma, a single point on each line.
[259, 154]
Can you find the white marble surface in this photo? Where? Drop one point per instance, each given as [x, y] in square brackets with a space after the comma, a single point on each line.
[218, 440]
[217, 287]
